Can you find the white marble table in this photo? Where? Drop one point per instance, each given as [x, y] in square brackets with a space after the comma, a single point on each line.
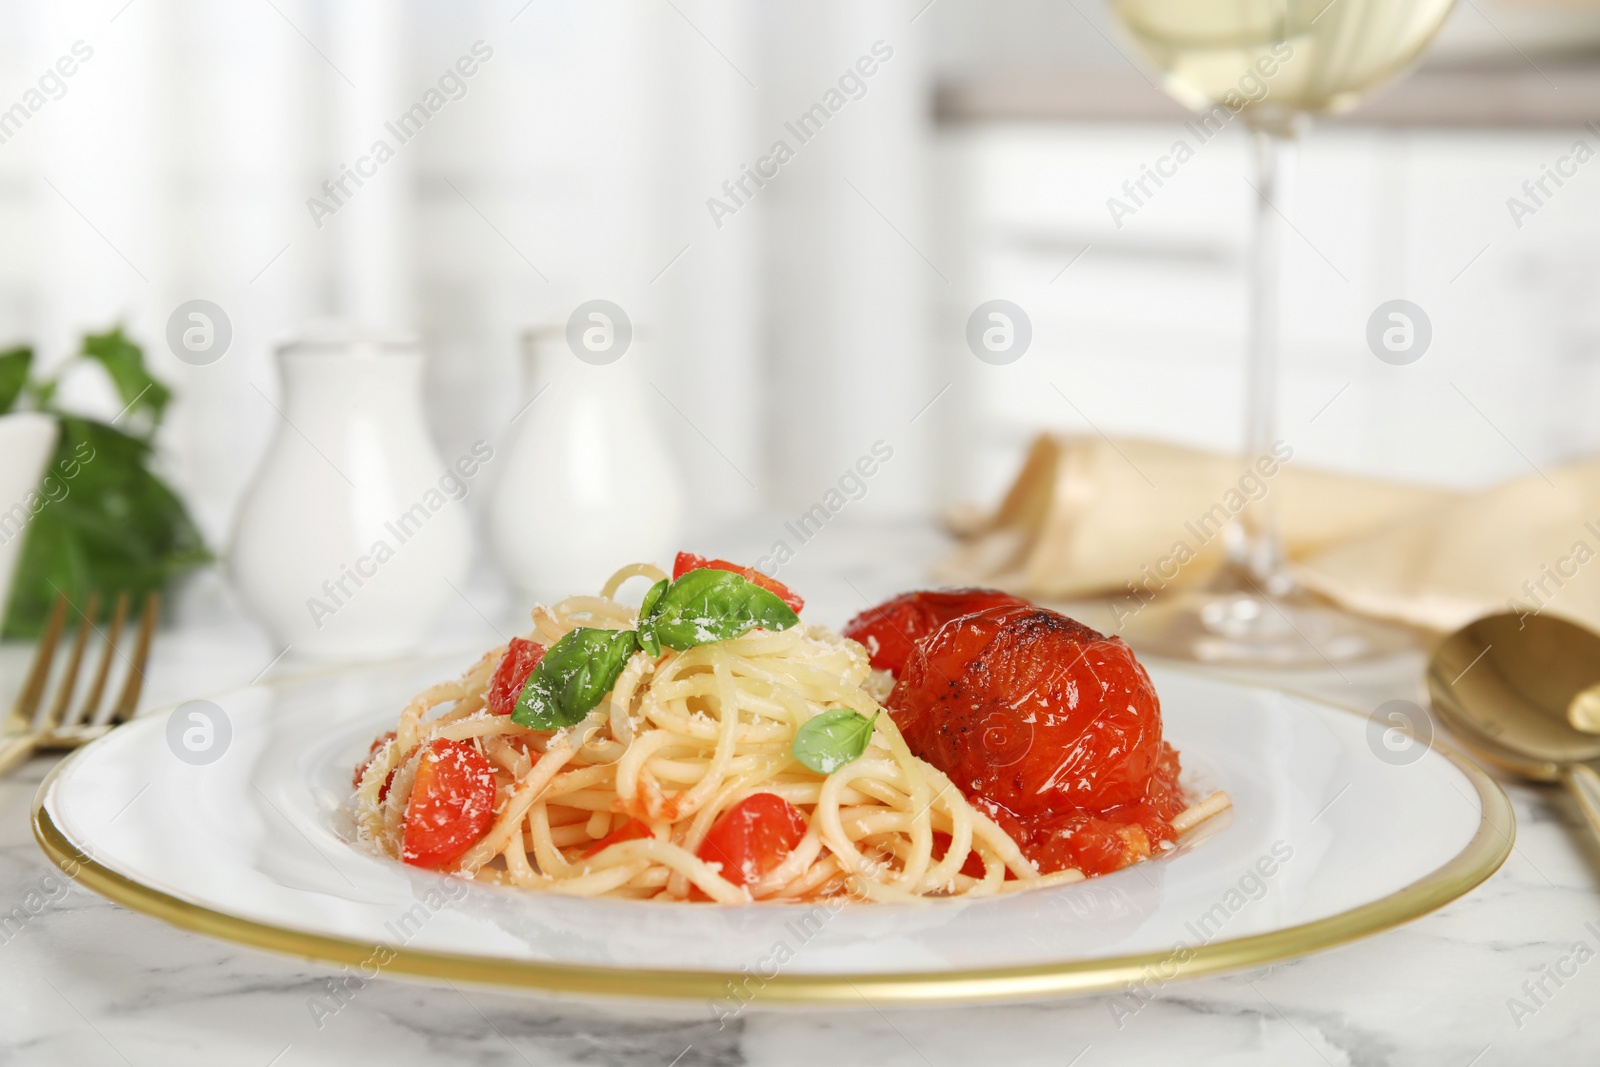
[86, 982]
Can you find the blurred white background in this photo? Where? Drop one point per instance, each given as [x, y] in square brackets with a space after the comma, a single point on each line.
[828, 312]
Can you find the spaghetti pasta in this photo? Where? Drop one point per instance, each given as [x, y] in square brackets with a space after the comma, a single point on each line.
[624, 802]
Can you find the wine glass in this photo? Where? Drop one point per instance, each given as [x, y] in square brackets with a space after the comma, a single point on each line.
[1272, 64]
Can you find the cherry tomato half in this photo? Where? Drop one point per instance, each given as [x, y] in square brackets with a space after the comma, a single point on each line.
[521, 657]
[753, 837]
[451, 804]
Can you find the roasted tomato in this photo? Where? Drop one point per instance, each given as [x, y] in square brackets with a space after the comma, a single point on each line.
[753, 837]
[892, 629]
[521, 657]
[372, 754]
[451, 804]
[1051, 728]
[688, 561]
[1109, 840]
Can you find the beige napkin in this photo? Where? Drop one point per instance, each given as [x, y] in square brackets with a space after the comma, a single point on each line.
[1528, 545]
[1088, 516]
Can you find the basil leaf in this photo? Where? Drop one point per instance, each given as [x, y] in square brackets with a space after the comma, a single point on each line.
[117, 527]
[709, 605]
[647, 634]
[13, 375]
[650, 598]
[574, 676]
[124, 363]
[833, 739]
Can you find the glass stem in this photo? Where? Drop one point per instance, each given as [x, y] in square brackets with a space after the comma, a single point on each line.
[1257, 551]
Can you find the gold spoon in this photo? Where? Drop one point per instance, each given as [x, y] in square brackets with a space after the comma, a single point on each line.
[1510, 687]
[1584, 710]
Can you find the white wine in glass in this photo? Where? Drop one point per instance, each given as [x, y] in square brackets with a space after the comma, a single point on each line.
[1327, 55]
[1271, 64]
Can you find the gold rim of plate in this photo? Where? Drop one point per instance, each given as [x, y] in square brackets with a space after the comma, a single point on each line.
[1469, 868]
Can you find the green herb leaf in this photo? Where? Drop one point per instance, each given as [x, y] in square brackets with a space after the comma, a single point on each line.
[647, 633]
[654, 594]
[833, 739]
[14, 364]
[102, 522]
[574, 676]
[709, 605]
[124, 362]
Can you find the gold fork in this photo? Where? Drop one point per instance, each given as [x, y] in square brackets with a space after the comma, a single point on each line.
[32, 726]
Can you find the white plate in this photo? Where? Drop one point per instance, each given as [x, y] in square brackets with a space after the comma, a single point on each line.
[1327, 842]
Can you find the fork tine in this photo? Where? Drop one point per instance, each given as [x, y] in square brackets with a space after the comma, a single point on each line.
[69, 679]
[91, 703]
[27, 703]
[129, 701]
